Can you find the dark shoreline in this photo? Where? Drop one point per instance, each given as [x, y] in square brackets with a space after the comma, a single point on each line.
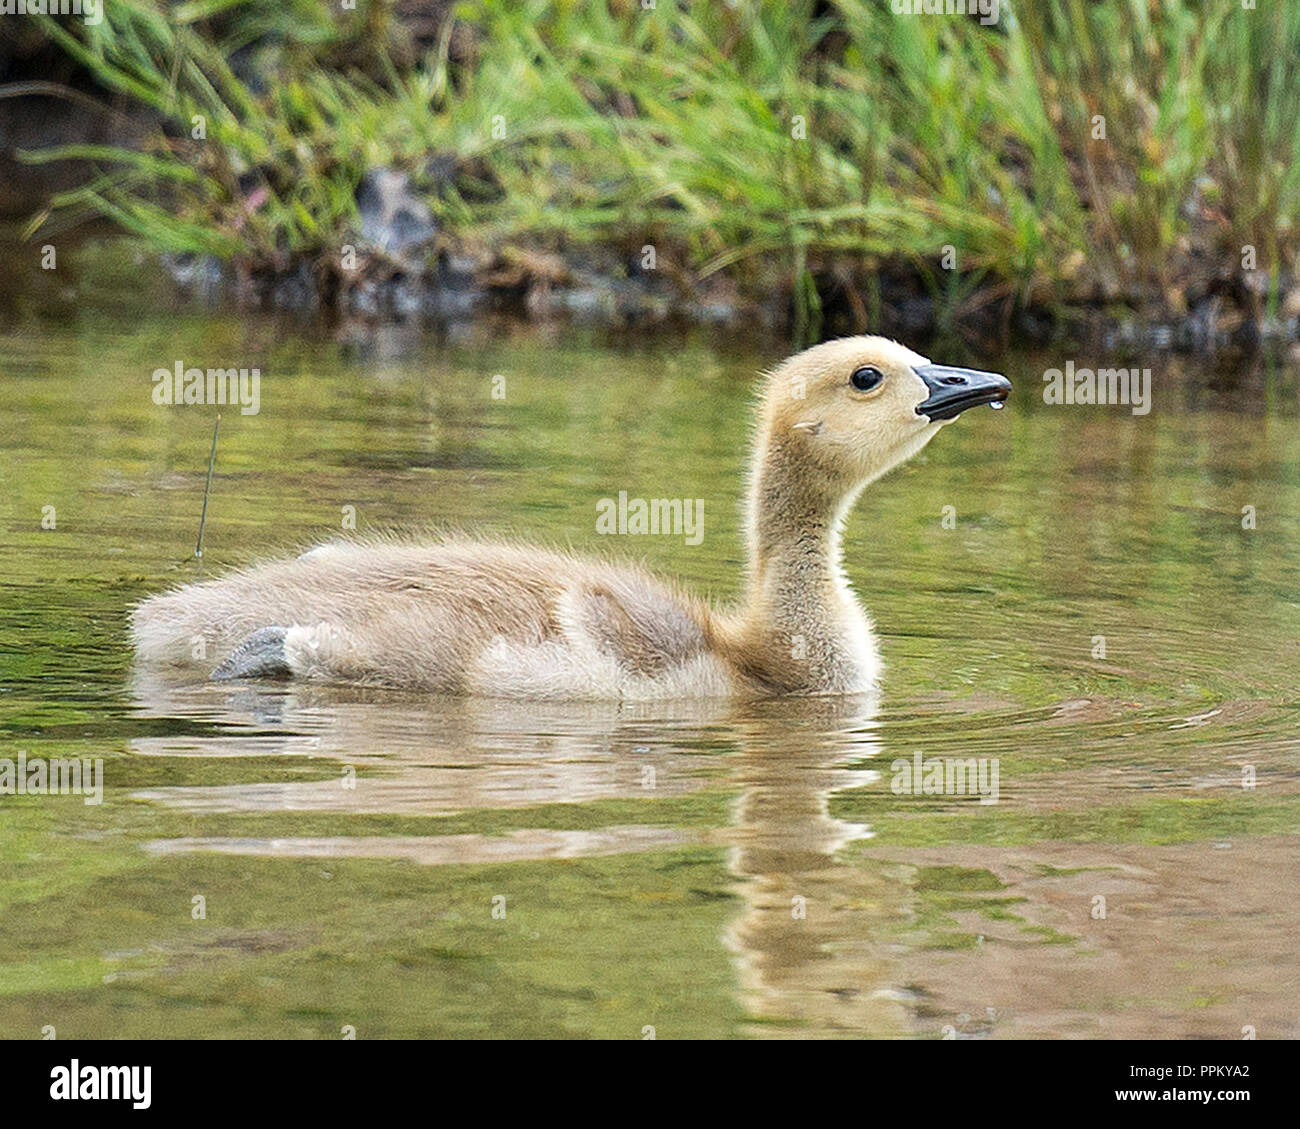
[545, 289]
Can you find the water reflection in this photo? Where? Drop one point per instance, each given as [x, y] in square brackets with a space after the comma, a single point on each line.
[803, 938]
[430, 755]
[966, 940]
[808, 940]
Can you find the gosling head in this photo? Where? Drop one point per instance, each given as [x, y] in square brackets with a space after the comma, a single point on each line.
[844, 412]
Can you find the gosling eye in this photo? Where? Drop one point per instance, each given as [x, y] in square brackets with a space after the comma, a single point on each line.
[866, 378]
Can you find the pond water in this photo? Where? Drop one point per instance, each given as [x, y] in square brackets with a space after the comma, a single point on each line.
[1096, 621]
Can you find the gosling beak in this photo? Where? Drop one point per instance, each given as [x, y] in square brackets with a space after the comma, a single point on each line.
[953, 390]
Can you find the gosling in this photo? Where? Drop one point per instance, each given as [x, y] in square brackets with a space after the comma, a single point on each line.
[466, 617]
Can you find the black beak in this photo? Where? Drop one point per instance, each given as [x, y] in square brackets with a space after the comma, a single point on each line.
[953, 390]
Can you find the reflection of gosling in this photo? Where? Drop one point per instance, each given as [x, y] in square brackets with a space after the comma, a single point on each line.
[471, 617]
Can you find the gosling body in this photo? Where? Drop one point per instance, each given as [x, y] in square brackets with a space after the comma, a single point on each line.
[467, 617]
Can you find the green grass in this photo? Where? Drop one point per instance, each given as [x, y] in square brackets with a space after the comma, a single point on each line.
[789, 144]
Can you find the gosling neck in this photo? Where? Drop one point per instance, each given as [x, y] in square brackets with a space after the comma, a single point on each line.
[792, 530]
[800, 616]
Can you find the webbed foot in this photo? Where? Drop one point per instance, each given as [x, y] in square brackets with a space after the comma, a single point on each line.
[261, 655]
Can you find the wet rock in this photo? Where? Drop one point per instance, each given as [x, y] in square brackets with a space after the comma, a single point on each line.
[459, 293]
[716, 312]
[297, 291]
[393, 219]
[198, 276]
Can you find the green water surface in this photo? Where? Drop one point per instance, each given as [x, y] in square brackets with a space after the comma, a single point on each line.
[410, 866]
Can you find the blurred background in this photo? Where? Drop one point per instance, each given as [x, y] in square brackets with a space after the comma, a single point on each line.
[808, 167]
